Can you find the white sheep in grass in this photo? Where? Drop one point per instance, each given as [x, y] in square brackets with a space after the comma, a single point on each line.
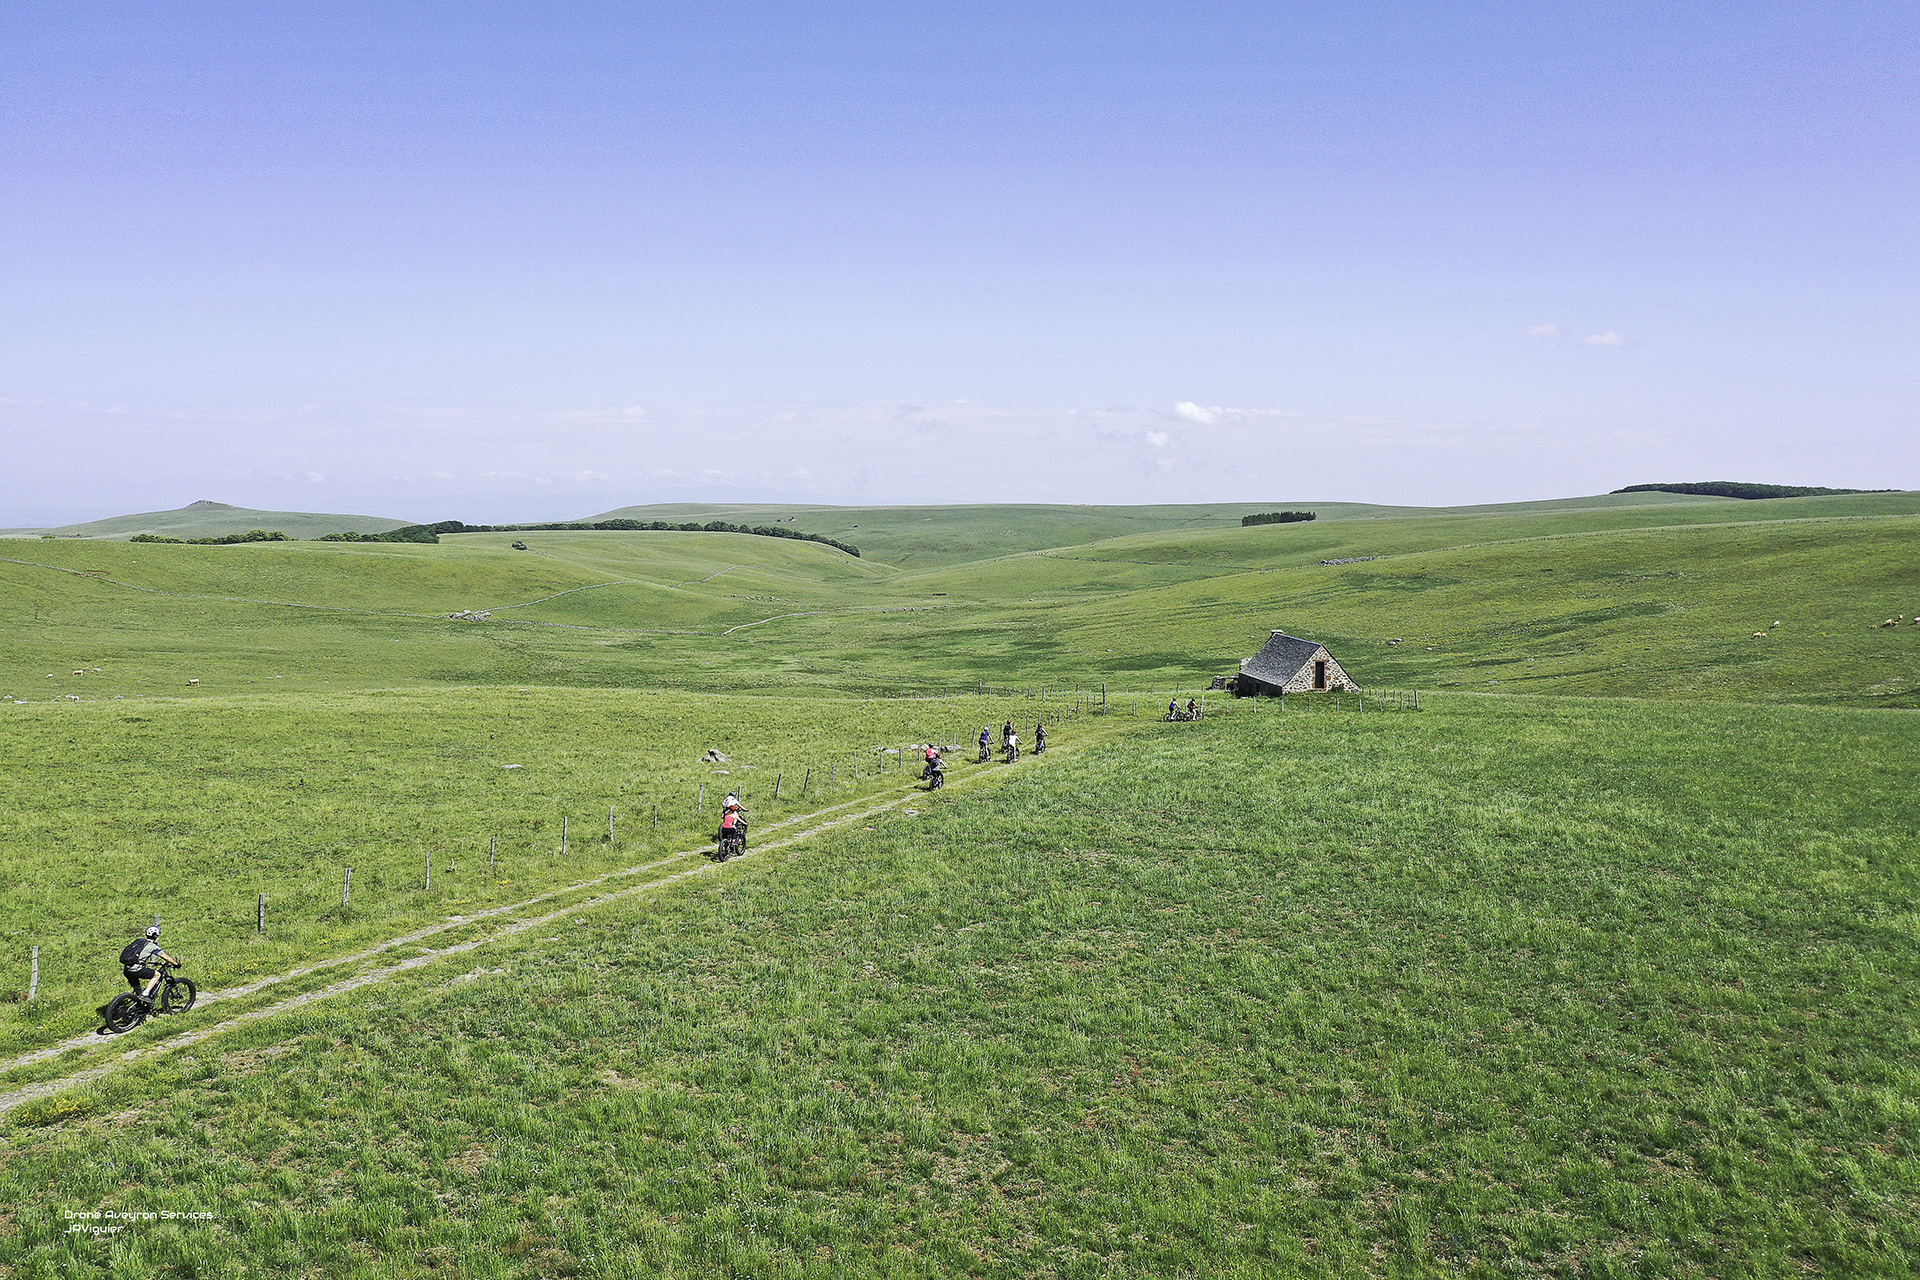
[1759, 635]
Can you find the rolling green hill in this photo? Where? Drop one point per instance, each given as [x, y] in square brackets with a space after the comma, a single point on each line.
[1518, 985]
[1545, 987]
[206, 519]
[1568, 598]
[920, 537]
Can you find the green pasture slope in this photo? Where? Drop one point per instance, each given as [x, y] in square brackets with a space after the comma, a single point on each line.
[1511, 986]
[1613, 980]
[112, 814]
[923, 537]
[1598, 597]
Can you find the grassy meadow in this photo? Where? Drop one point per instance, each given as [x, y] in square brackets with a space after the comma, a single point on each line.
[1611, 979]
[112, 815]
[1608, 598]
[1510, 986]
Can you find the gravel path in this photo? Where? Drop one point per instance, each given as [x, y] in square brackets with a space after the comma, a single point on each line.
[814, 825]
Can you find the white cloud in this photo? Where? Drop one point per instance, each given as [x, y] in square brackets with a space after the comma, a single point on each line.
[1608, 339]
[633, 411]
[442, 475]
[1547, 331]
[1196, 413]
[1158, 439]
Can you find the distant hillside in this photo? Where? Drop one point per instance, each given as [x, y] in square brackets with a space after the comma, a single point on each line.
[212, 519]
[930, 537]
[1743, 489]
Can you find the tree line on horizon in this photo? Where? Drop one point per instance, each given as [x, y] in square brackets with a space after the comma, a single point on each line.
[1742, 489]
[432, 532]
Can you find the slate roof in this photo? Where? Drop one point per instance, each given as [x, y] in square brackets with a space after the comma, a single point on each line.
[1280, 658]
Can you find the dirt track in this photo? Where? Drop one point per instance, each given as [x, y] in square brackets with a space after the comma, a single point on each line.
[811, 824]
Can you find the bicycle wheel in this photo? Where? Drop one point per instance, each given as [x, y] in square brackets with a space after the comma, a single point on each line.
[125, 1013]
[179, 996]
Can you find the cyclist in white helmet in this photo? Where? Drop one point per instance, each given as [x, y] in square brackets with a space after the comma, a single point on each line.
[136, 961]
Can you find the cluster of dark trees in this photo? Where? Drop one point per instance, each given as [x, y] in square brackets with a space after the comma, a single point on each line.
[224, 540]
[405, 533]
[432, 532]
[1277, 517]
[1741, 489]
[711, 526]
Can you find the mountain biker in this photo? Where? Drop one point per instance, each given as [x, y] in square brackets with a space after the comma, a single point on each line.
[934, 763]
[1173, 709]
[1039, 738]
[136, 961]
[1193, 709]
[734, 819]
[986, 741]
[1013, 744]
[1006, 733]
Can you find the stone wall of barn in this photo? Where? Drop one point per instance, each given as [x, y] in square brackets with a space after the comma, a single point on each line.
[1337, 678]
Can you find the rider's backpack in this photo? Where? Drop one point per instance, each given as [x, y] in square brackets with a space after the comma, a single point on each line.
[134, 955]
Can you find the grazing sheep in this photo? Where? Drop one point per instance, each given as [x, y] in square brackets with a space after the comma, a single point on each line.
[1774, 625]
[1759, 635]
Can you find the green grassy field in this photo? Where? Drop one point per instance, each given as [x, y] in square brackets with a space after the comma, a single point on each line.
[114, 814]
[1641, 599]
[1608, 984]
[928, 537]
[1510, 986]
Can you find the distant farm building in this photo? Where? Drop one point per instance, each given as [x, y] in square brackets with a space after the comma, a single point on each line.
[1289, 664]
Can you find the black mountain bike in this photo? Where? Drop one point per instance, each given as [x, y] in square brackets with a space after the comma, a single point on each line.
[173, 995]
[731, 844]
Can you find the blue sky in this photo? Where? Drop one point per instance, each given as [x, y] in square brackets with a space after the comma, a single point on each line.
[489, 261]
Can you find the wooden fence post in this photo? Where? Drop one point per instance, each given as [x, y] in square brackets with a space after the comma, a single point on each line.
[429, 880]
[563, 833]
[609, 824]
[777, 780]
[260, 915]
[346, 889]
[808, 782]
[700, 802]
[656, 818]
[33, 983]
[493, 851]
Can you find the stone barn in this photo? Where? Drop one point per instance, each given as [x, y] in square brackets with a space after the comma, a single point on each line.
[1288, 664]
